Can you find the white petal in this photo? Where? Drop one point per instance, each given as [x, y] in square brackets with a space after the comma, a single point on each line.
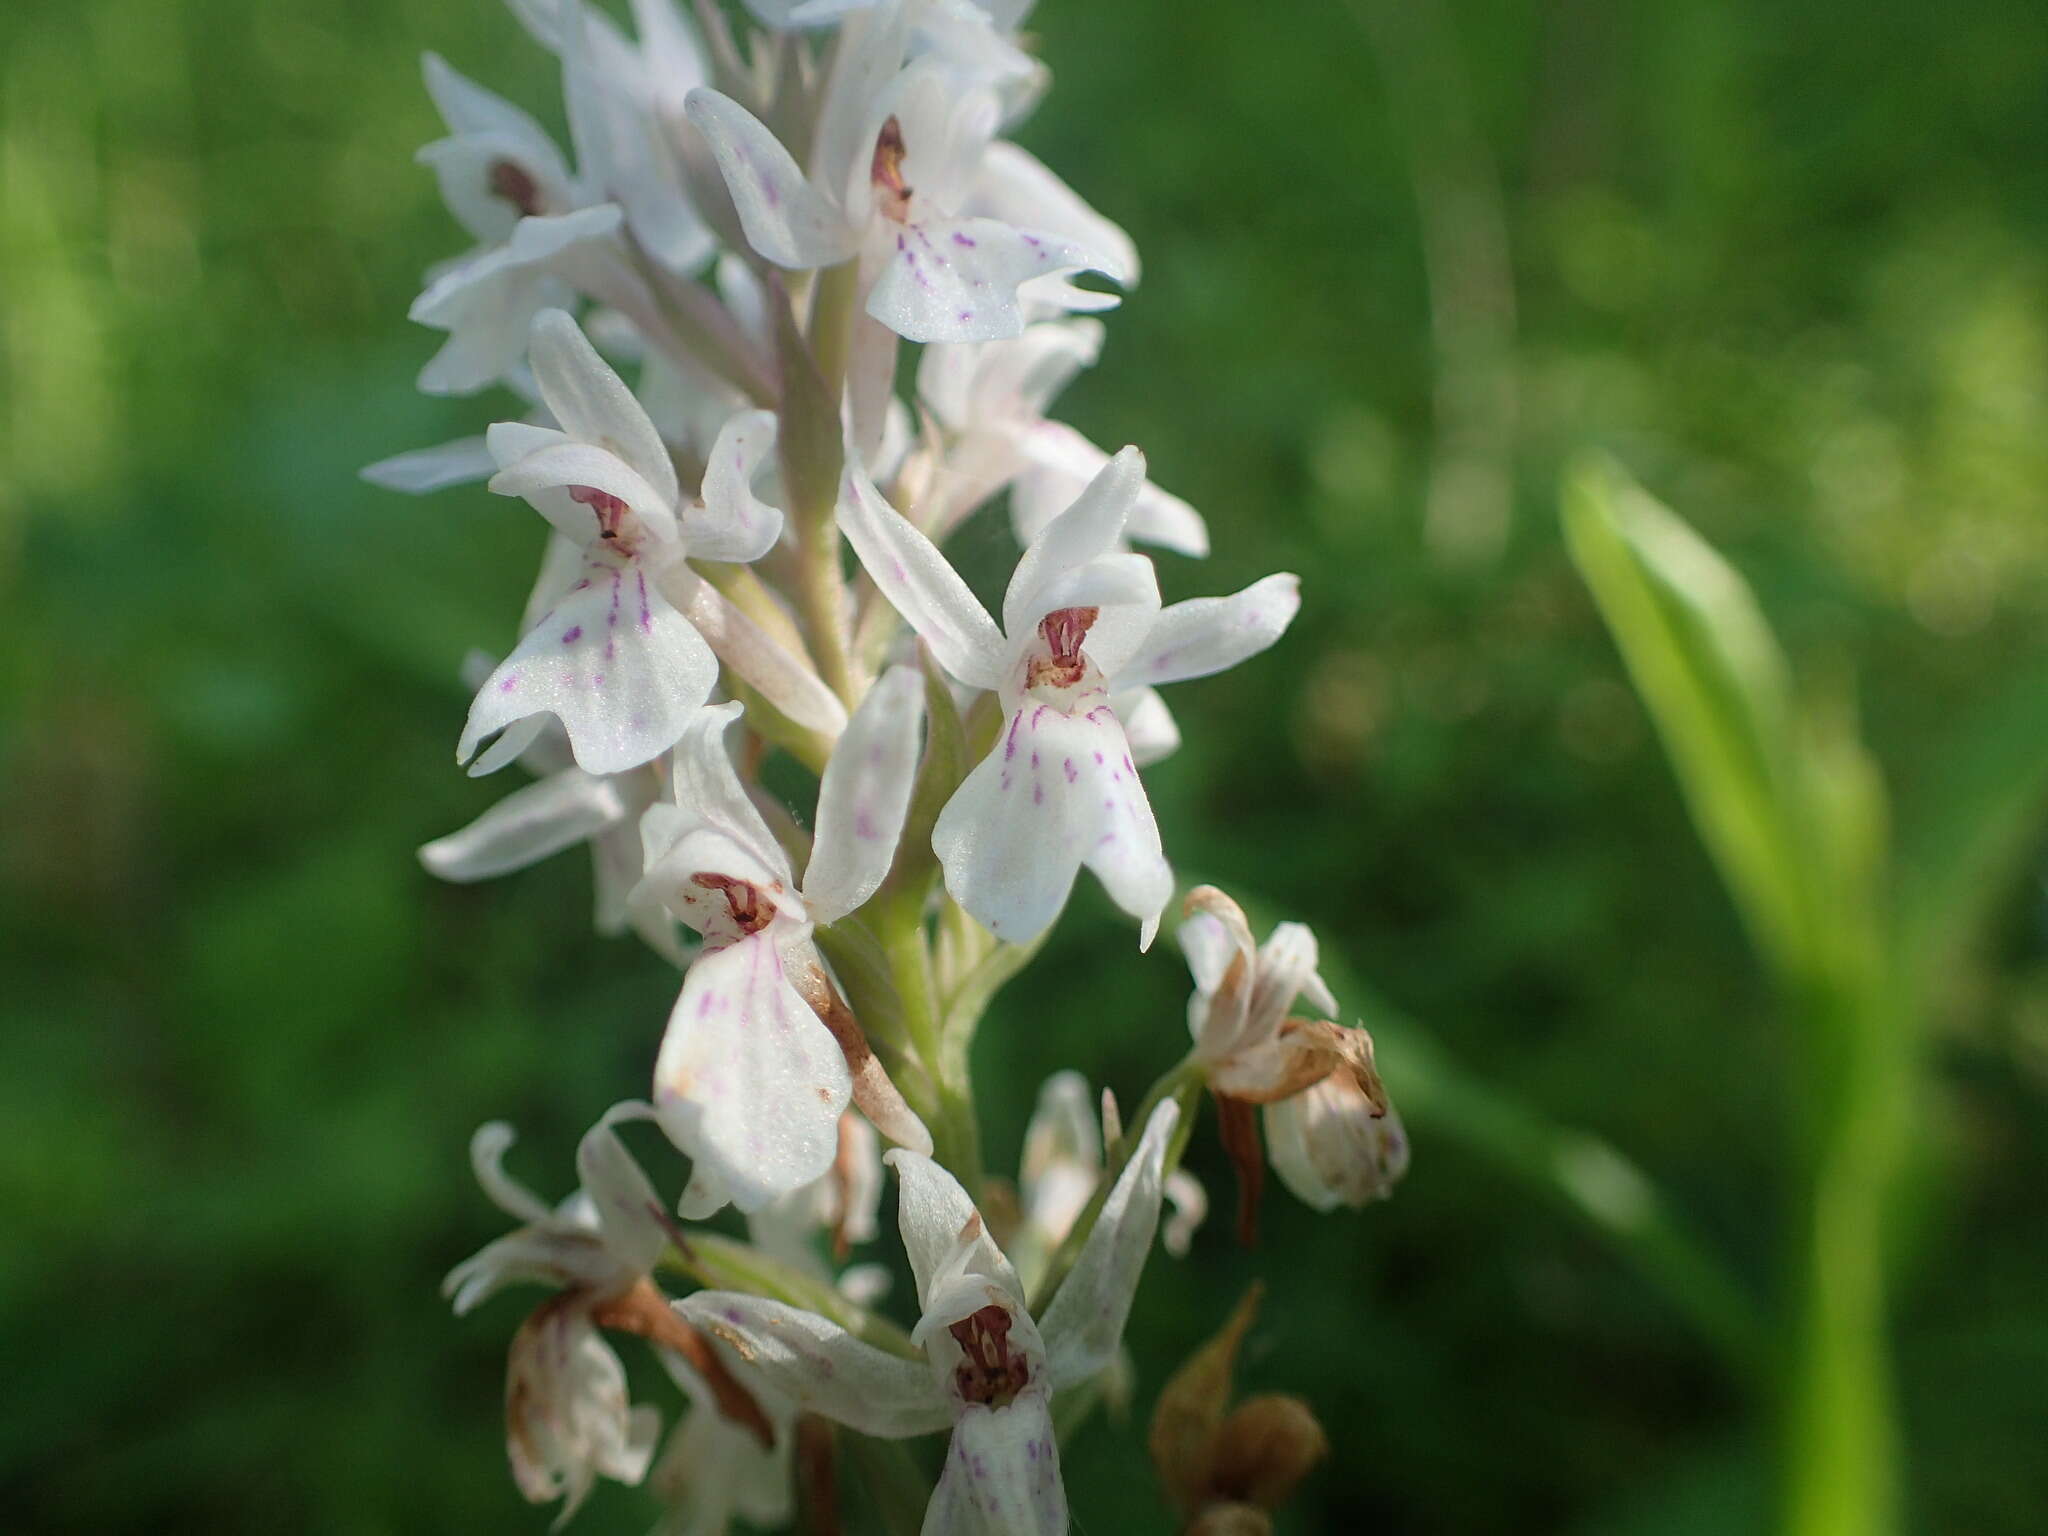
[784, 680]
[675, 62]
[819, 1364]
[943, 1234]
[919, 583]
[1086, 531]
[613, 661]
[526, 826]
[467, 107]
[957, 279]
[1002, 1474]
[1210, 634]
[1062, 1156]
[1208, 946]
[748, 1082]
[461, 462]
[732, 523]
[708, 787]
[544, 479]
[628, 1209]
[1148, 723]
[1057, 791]
[864, 797]
[592, 403]
[1123, 589]
[866, 58]
[487, 1149]
[1190, 1204]
[1086, 1319]
[1286, 968]
[1015, 186]
[1062, 461]
[785, 218]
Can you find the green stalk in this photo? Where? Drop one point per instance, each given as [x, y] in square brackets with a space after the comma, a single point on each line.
[957, 1134]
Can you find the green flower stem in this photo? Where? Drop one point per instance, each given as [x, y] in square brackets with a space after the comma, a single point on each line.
[1182, 1084]
[832, 316]
[956, 1135]
[722, 1264]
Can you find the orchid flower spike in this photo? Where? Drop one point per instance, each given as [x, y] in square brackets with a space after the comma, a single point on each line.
[1315, 1077]
[949, 227]
[568, 1418]
[612, 657]
[1082, 639]
[989, 1369]
[750, 1080]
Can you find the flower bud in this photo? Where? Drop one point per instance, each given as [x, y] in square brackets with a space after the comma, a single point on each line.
[1330, 1147]
[1232, 1520]
[1265, 1448]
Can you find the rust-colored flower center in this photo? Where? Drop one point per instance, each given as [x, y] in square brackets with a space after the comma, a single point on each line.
[610, 510]
[886, 171]
[749, 906]
[992, 1372]
[515, 184]
[1063, 630]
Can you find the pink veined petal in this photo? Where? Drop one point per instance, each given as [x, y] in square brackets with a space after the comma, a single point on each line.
[708, 788]
[1015, 186]
[1211, 634]
[1148, 725]
[592, 403]
[613, 661]
[957, 279]
[1002, 1474]
[1057, 791]
[459, 462]
[1086, 1319]
[865, 796]
[1086, 531]
[628, 1209]
[943, 1234]
[818, 1364]
[756, 658]
[527, 826]
[748, 1082]
[1062, 461]
[731, 522]
[785, 218]
[920, 584]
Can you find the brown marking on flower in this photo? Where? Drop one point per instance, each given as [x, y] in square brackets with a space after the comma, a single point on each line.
[992, 1373]
[873, 1090]
[645, 1311]
[886, 172]
[817, 1475]
[1063, 630]
[515, 184]
[748, 904]
[1237, 1126]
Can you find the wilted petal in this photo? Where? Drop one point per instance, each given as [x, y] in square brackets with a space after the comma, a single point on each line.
[864, 797]
[526, 826]
[731, 522]
[592, 403]
[1329, 1147]
[957, 279]
[1002, 1474]
[818, 1364]
[919, 583]
[461, 462]
[1057, 791]
[567, 1417]
[1086, 1318]
[1210, 634]
[748, 1082]
[613, 661]
[785, 218]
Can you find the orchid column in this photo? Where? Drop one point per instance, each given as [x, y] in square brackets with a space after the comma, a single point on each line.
[751, 224]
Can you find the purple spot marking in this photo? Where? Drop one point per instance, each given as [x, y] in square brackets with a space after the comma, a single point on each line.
[960, 239]
[1010, 746]
[966, 314]
[646, 614]
[611, 649]
[704, 1004]
[572, 634]
[1038, 794]
[1034, 757]
[1098, 758]
[1073, 773]
[864, 827]
[511, 682]
[899, 245]
[1036, 714]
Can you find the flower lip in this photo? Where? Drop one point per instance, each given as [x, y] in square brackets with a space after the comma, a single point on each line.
[990, 1372]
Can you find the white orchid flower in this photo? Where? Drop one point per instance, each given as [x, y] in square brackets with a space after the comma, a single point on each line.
[613, 658]
[750, 1082]
[989, 1369]
[1082, 627]
[907, 176]
[569, 1420]
[991, 397]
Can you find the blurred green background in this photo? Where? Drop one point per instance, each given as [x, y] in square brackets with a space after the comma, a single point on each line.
[1785, 260]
